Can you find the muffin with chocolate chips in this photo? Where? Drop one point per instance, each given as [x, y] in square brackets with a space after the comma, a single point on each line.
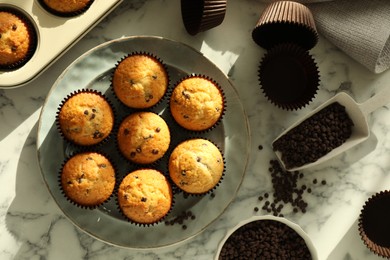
[197, 103]
[140, 81]
[88, 179]
[66, 8]
[85, 118]
[143, 137]
[17, 40]
[145, 196]
[196, 166]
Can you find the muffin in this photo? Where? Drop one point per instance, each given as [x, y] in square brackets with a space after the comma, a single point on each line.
[285, 22]
[88, 179]
[197, 103]
[140, 81]
[85, 118]
[199, 16]
[66, 7]
[374, 226]
[143, 137]
[289, 76]
[145, 196]
[196, 166]
[17, 39]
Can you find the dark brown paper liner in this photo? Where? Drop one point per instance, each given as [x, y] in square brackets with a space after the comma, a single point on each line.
[202, 15]
[79, 146]
[161, 220]
[154, 57]
[369, 242]
[285, 21]
[178, 190]
[75, 202]
[279, 78]
[65, 14]
[206, 130]
[31, 33]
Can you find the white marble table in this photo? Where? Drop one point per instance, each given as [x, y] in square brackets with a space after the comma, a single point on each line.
[33, 227]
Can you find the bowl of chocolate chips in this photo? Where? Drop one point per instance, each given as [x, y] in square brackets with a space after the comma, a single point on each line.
[266, 237]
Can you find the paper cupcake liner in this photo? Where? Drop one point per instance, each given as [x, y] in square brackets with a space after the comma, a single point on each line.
[136, 164]
[206, 130]
[178, 190]
[154, 57]
[33, 39]
[285, 22]
[373, 223]
[65, 14]
[202, 15]
[90, 207]
[126, 218]
[72, 94]
[288, 76]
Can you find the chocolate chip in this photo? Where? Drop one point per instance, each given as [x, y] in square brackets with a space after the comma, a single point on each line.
[185, 94]
[103, 165]
[186, 116]
[158, 129]
[155, 151]
[94, 110]
[198, 159]
[69, 182]
[14, 27]
[183, 172]
[97, 134]
[143, 199]
[126, 131]
[132, 154]
[14, 48]
[154, 77]
[92, 116]
[89, 158]
[260, 147]
[138, 150]
[86, 112]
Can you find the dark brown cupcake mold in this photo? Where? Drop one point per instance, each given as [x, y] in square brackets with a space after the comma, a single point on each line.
[285, 22]
[374, 225]
[202, 15]
[289, 76]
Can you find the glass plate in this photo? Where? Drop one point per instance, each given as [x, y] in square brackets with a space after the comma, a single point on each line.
[93, 70]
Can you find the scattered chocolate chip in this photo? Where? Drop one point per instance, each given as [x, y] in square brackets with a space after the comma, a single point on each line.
[94, 110]
[183, 172]
[143, 199]
[260, 147]
[315, 181]
[158, 129]
[155, 151]
[69, 182]
[103, 165]
[138, 150]
[89, 158]
[323, 182]
[186, 116]
[126, 131]
[14, 27]
[132, 154]
[14, 48]
[92, 116]
[86, 112]
[97, 134]
[256, 209]
[198, 159]
[185, 94]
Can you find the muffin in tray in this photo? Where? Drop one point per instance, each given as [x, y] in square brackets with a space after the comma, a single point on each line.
[197, 103]
[140, 80]
[88, 179]
[196, 166]
[66, 8]
[85, 118]
[17, 39]
[145, 196]
[143, 137]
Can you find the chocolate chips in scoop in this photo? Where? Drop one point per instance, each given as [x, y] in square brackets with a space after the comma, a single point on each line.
[315, 137]
[265, 239]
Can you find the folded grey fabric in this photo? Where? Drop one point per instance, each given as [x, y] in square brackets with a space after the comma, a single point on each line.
[361, 28]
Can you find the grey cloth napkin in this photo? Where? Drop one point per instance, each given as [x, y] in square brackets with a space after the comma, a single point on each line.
[360, 28]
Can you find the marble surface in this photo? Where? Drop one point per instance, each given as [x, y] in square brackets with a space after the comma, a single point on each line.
[33, 227]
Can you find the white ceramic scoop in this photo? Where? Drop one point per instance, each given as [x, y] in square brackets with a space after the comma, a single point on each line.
[358, 113]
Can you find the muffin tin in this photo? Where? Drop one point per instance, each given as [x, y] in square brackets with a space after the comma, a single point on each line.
[55, 36]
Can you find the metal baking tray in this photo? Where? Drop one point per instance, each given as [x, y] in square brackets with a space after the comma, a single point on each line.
[55, 35]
